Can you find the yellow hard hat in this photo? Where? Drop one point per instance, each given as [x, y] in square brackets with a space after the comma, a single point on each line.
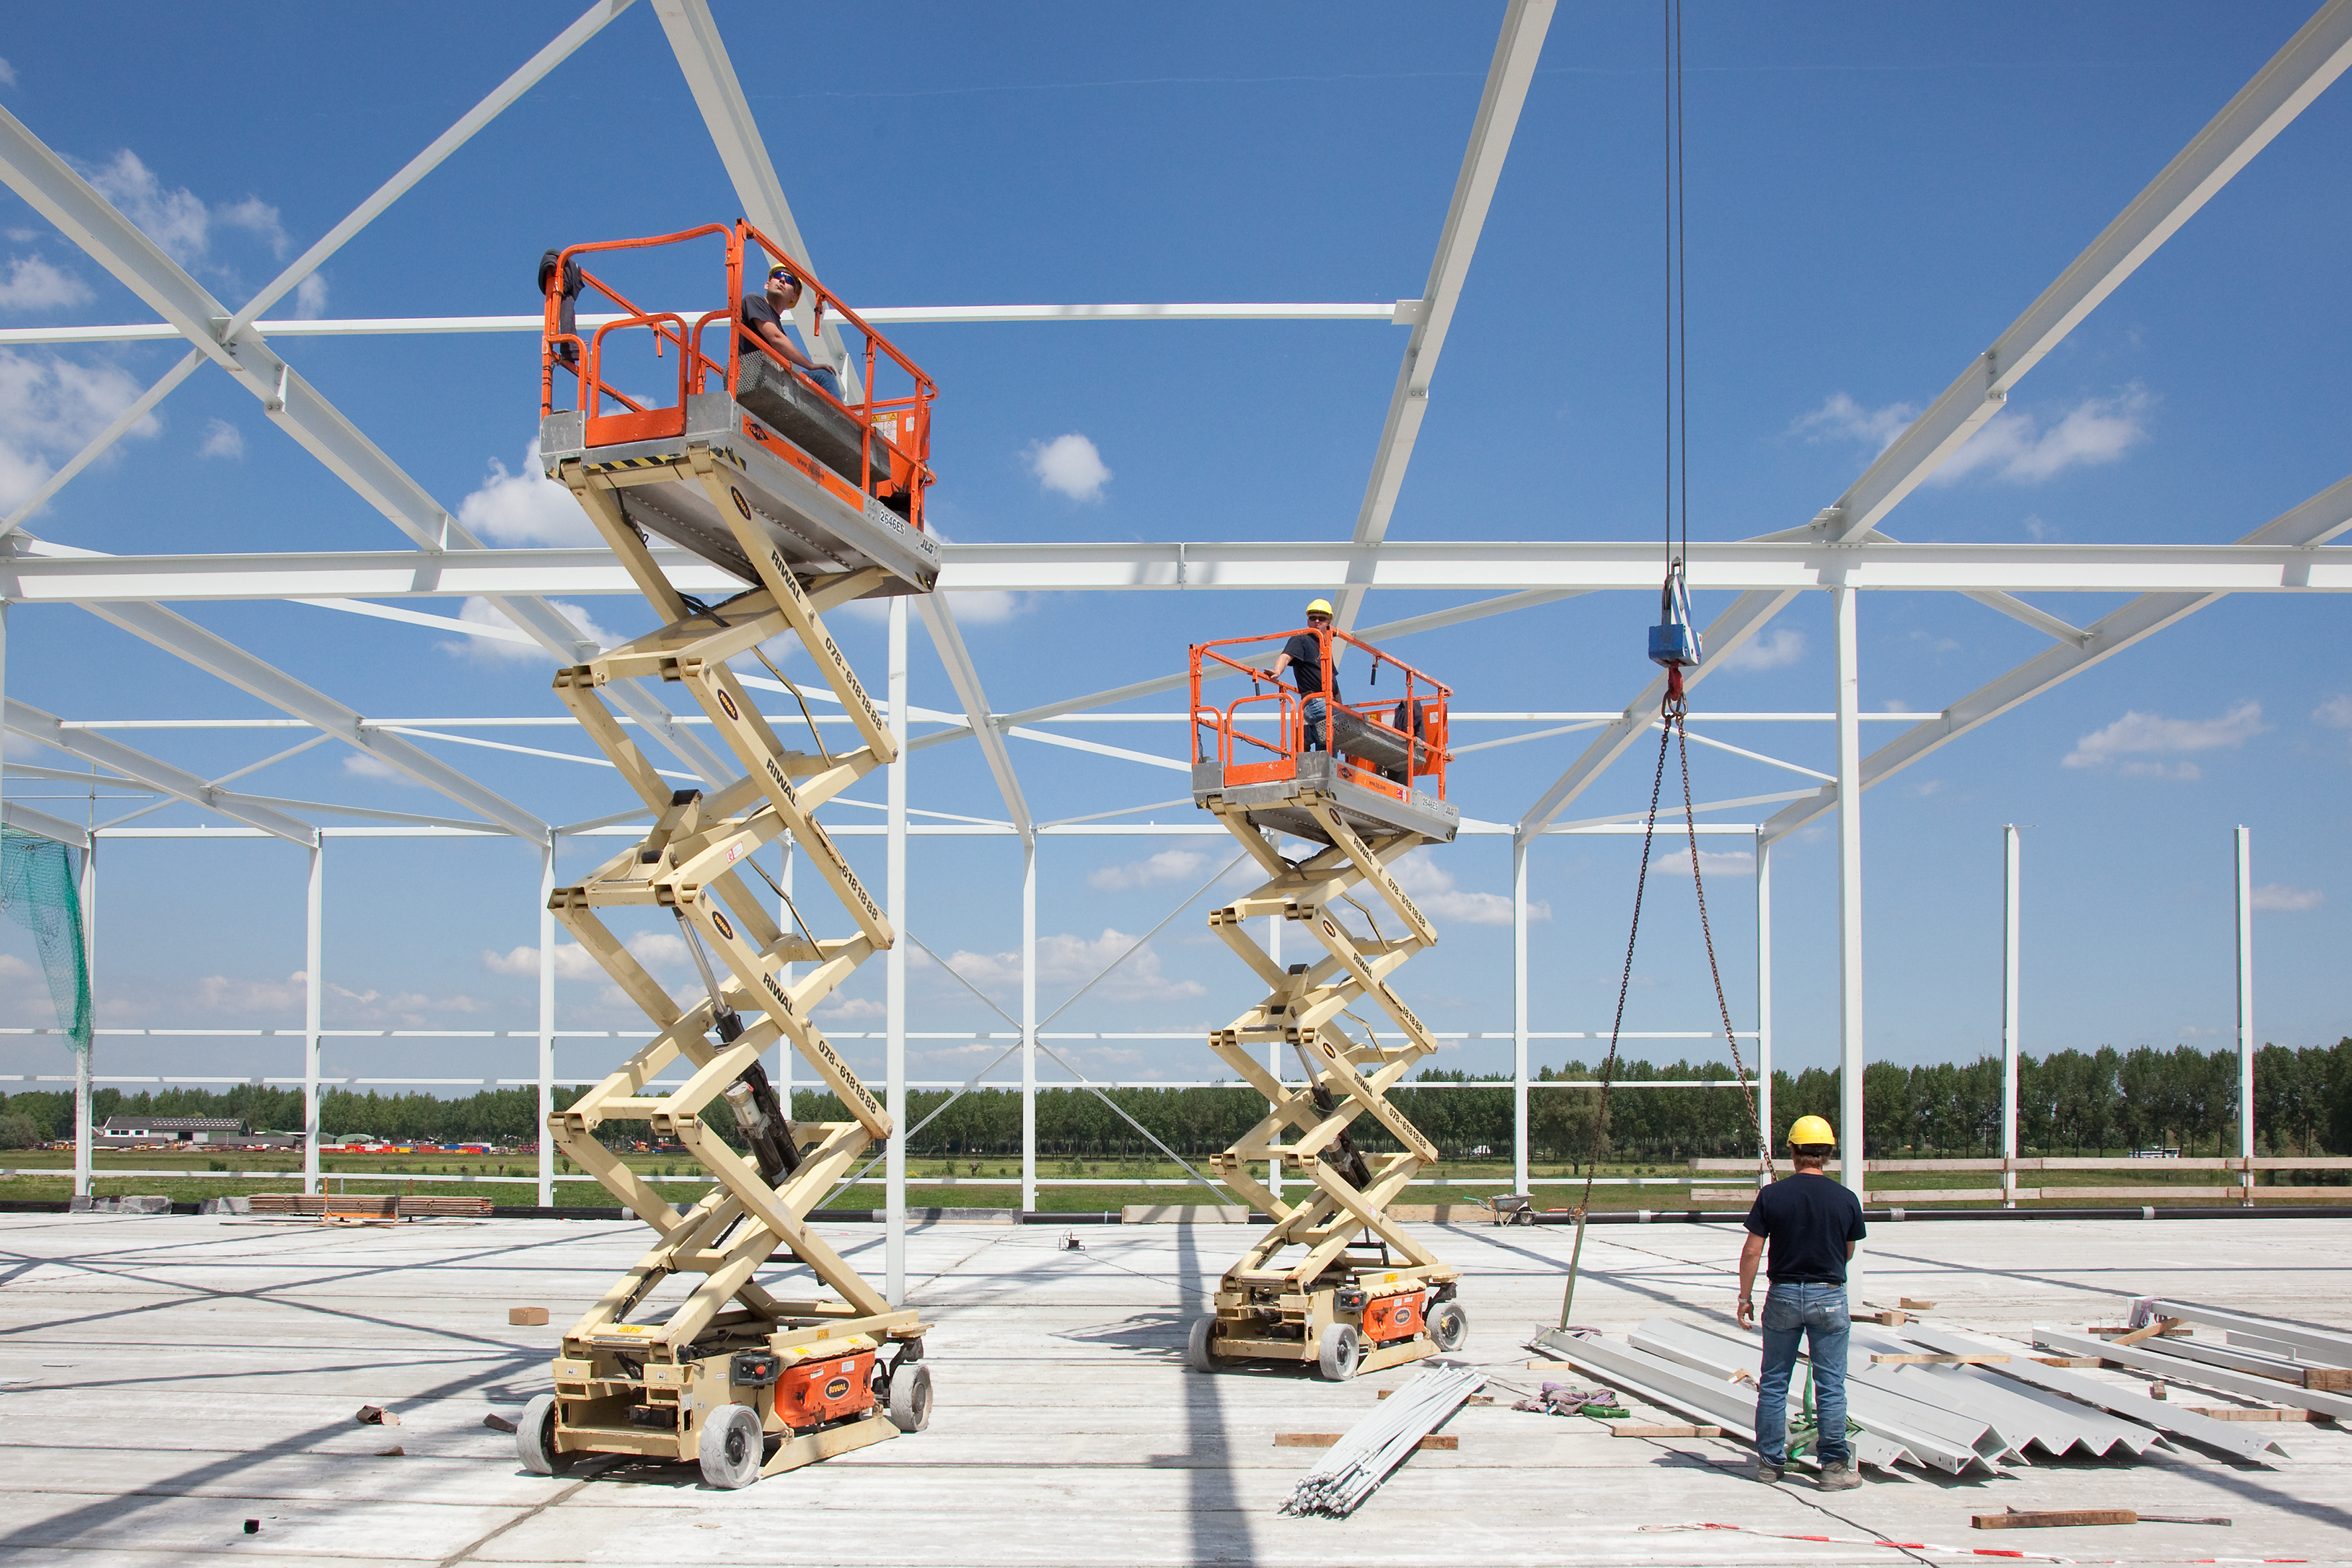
[1320, 608]
[1811, 1132]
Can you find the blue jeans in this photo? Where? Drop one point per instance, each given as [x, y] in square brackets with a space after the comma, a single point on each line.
[825, 377]
[1816, 1313]
[1313, 710]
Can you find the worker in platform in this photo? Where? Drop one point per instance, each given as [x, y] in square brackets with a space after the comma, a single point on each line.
[1811, 1225]
[1303, 655]
[765, 316]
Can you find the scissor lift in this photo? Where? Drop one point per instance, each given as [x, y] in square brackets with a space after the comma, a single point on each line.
[1335, 1281]
[738, 1377]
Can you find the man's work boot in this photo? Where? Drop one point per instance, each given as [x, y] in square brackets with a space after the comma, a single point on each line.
[1839, 1478]
[1767, 1471]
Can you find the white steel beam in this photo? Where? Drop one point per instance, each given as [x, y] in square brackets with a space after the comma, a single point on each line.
[948, 639]
[140, 406]
[1525, 23]
[2040, 620]
[2322, 517]
[524, 78]
[1404, 312]
[711, 76]
[43, 572]
[2299, 73]
[31, 722]
[225, 661]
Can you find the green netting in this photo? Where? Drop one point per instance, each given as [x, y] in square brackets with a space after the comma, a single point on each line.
[40, 890]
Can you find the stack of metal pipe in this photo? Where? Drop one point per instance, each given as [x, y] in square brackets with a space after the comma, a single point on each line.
[1361, 1460]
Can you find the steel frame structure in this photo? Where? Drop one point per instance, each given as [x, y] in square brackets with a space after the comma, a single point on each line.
[1841, 550]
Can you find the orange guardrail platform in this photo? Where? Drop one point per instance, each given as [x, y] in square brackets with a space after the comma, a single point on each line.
[1381, 764]
[833, 474]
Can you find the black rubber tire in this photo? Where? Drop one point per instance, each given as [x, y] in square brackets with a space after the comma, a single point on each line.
[535, 1436]
[910, 1397]
[1341, 1350]
[731, 1448]
[1449, 1326]
[1197, 1353]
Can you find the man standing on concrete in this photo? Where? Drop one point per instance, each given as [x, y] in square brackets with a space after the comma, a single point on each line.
[1812, 1224]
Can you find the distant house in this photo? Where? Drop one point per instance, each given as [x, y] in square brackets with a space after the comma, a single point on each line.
[125, 1130]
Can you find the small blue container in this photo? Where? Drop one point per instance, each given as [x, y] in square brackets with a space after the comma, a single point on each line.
[1673, 644]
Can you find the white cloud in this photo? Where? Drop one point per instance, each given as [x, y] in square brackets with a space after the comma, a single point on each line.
[2014, 446]
[571, 961]
[1934, 644]
[219, 994]
[525, 508]
[7, 74]
[1071, 465]
[1894, 705]
[1782, 646]
[1067, 960]
[478, 612]
[34, 285]
[852, 1010]
[2137, 732]
[1840, 418]
[311, 298]
[1925, 788]
[985, 607]
[2284, 897]
[659, 950]
[2335, 713]
[1167, 866]
[221, 439]
[1432, 886]
[1711, 862]
[257, 217]
[368, 765]
[176, 220]
[2040, 532]
[49, 409]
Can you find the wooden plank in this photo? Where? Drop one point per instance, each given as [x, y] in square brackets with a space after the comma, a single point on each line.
[2334, 1379]
[2247, 1413]
[1913, 1304]
[2160, 1326]
[1940, 1359]
[2048, 1519]
[1440, 1440]
[1661, 1429]
[2069, 1360]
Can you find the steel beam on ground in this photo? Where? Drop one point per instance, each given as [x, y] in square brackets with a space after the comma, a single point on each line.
[29, 721]
[2298, 73]
[218, 657]
[1525, 23]
[2302, 528]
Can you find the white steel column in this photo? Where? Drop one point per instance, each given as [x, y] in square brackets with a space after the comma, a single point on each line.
[1029, 1025]
[314, 941]
[1520, 1013]
[783, 1076]
[894, 970]
[2245, 999]
[1851, 1147]
[1764, 988]
[546, 1023]
[2009, 1040]
[83, 1084]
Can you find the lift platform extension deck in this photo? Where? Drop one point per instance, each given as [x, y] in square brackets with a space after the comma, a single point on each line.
[1334, 1282]
[742, 1379]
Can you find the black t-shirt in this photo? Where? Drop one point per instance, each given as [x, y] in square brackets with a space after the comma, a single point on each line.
[1809, 1220]
[1306, 651]
[757, 309]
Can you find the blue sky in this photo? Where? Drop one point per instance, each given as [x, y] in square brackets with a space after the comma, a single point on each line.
[1874, 192]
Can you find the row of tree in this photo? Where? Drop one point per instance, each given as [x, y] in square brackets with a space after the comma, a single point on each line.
[2069, 1102]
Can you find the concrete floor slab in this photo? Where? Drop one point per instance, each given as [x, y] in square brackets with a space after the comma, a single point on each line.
[162, 1379]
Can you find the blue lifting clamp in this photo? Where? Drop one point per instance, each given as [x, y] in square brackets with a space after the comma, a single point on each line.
[1675, 642]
